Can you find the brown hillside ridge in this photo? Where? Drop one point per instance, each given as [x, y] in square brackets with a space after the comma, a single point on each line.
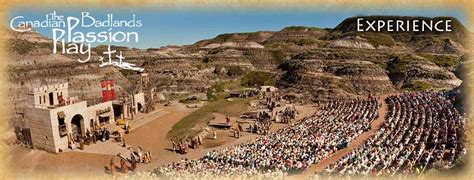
[314, 62]
[458, 29]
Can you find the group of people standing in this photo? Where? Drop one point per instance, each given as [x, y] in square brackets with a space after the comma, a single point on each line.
[288, 114]
[137, 155]
[262, 125]
[180, 147]
[98, 133]
[183, 145]
[236, 132]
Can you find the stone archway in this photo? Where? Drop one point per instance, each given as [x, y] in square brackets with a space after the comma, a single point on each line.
[139, 107]
[76, 125]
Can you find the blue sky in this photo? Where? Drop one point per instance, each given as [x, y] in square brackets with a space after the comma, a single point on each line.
[179, 26]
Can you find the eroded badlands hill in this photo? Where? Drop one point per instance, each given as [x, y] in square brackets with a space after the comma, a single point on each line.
[317, 63]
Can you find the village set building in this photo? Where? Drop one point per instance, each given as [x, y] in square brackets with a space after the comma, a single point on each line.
[53, 116]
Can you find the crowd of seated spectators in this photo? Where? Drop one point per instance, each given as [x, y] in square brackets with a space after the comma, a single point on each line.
[422, 129]
[288, 150]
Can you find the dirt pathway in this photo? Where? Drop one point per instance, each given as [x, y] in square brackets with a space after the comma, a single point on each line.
[151, 137]
[155, 133]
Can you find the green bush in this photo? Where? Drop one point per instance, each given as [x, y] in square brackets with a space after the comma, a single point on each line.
[258, 78]
[279, 56]
[218, 86]
[399, 64]
[234, 71]
[292, 69]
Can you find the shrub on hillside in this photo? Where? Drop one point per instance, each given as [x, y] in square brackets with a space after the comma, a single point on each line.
[258, 78]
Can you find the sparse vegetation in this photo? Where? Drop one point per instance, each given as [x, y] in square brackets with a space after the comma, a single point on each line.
[305, 70]
[399, 64]
[218, 86]
[300, 28]
[234, 70]
[306, 41]
[258, 78]
[189, 100]
[381, 64]
[198, 66]
[216, 91]
[213, 96]
[446, 61]
[186, 126]
[291, 67]
[426, 41]
[379, 39]
[321, 43]
[279, 56]
[22, 46]
[278, 44]
[231, 37]
[332, 35]
[230, 70]
[126, 72]
[348, 87]
[417, 86]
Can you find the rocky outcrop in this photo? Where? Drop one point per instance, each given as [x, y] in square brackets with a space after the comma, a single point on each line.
[349, 42]
[234, 45]
[328, 78]
[316, 63]
[407, 69]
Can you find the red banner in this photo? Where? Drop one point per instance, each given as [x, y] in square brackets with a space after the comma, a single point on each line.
[108, 92]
